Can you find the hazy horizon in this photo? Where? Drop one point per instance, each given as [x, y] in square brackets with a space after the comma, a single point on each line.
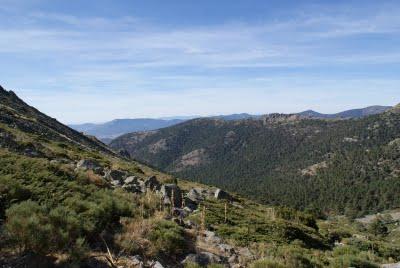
[95, 61]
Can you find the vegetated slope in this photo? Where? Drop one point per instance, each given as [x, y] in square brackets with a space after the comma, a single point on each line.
[66, 200]
[343, 166]
[17, 114]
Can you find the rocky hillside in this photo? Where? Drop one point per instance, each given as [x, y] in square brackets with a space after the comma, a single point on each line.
[16, 114]
[338, 166]
[66, 200]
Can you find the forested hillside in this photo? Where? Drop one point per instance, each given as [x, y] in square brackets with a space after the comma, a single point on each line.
[67, 200]
[341, 166]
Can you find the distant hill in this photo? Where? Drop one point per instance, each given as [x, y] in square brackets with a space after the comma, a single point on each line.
[111, 130]
[346, 166]
[354, 113]
[118, 127]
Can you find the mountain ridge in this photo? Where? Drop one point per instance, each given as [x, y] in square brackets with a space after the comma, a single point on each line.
[117, 127]
[277, 151]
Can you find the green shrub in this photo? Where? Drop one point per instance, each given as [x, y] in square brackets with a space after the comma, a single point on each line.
[192, 265]
[28, 228]
[295, 257]
[378, 227]
[34, 228]
[352, 261]
[266, 264]
[167, 238]
[345, 250]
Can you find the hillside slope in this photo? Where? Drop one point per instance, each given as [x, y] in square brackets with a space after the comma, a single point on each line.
[342, 166]
[68, 201]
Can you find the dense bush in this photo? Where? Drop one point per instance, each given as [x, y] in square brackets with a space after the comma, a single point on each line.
[352, 261]
[378, 227]
[49, 209]
[167, 238]
[267, 264]
[36, 229]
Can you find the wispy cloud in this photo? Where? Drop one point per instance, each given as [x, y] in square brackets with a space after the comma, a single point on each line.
[92, 55]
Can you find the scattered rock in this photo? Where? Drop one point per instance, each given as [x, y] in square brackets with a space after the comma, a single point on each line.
[313, 169]
[115, 175]
[190, 204]
[169, 192]
[233, 259]
[195, 195]
[212, 238]
[245, 255]
[226, 249]
[221, 194]
[392, 265]
[349, 139]
[152, 183]
[202, 259]
[131, 180]
[31, 152]
[155, 264]
[189, 224]
[137, 261]
[116, 183]
[88, 164]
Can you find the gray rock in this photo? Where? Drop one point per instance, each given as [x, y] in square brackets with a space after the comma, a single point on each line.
[202, 258]
[88, 164]
[195, 195]
[171, 190]
[392, 265]
[152, 183]
[226, 249]
[115, 175]
[190, 204]
[212, 238]
[60, 161]
[180, 213]
[155, 264]
[245, 255]
[189, 224]
[116, 183]
[131, 180]
[220, 194]
[137, 261]
[233, 259]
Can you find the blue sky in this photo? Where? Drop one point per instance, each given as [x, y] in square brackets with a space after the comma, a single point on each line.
[93, 61]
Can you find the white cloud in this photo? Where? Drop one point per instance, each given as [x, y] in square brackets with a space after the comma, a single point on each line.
[126, 67]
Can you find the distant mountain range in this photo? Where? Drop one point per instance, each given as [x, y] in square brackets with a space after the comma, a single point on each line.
[355, 113]
[304, 160]
[110, 130]
[115, 128]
